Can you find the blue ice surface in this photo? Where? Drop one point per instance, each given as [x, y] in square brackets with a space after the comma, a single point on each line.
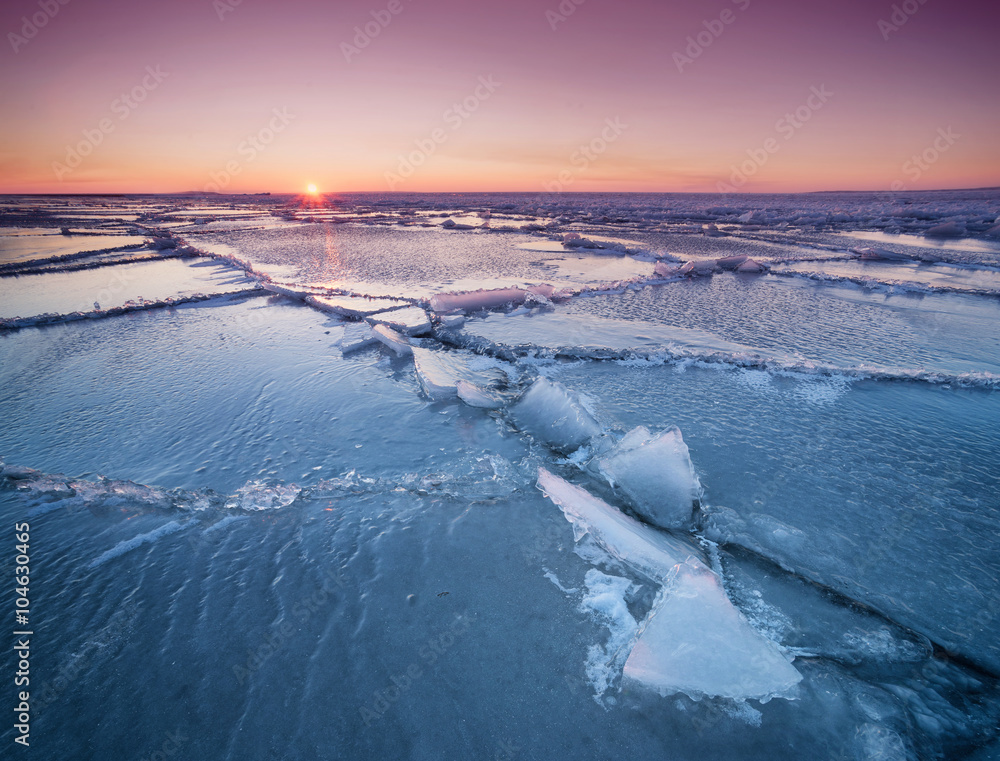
[313, 559]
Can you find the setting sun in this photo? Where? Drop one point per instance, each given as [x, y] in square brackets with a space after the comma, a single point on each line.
[312, 189]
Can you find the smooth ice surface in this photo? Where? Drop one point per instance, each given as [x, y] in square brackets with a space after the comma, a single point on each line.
[295, 412]
[570, 334]
[554, 414]
[114, 286]
[792, 323]
[22, 248]
[656, 475]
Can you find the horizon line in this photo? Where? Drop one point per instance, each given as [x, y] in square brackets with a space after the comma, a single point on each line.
[322, 194]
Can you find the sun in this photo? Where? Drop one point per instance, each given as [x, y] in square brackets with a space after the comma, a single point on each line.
[313, 190]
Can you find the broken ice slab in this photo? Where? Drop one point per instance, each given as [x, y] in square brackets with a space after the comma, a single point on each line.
[648, 551]
[751, 266]
[284, 290]
[693, 640]
[694, 268]
[731, 262]
[552, 413]
[390, 338]
[472, 301]
[354, 306]
[411, 321]
[871, 253]
[475, 396]
[115, 286]
[356, 336]
[17, 247]
[655, 474]
[440, 372]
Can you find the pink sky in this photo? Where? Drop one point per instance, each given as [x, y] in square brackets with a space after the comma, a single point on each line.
[264, 97]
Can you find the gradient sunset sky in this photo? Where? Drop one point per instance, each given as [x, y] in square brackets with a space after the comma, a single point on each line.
[325, 107]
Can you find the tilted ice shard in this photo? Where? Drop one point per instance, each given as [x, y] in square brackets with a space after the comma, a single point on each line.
[693, 640]
[475, 300]
[751, 266]
[437, 378]
[441, 372]
[393, 340]
[412, 321]
[551, 412]
[475, 396]
[357, 336]
[472, 301]
[650, 552]
[731, 262]
[655, 474]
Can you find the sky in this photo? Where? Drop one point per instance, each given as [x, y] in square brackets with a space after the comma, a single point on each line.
[246, 96]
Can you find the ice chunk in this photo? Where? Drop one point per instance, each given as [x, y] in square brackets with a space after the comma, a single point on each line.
[472, 301]
[393, 340]
[435, 376]
[694, 641]
[357, 336]
[731, 262]
[259, 495]
[412, 321]
[946, 230]
[440, 372]
[879, 254]
[655, 474]
[475, 396]
[551, 412]
[666, 269]
[453, 321]
[688, 269]
[750, 266]
[650, 552]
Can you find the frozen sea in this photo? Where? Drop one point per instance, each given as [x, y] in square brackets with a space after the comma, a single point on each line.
[504, 476]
